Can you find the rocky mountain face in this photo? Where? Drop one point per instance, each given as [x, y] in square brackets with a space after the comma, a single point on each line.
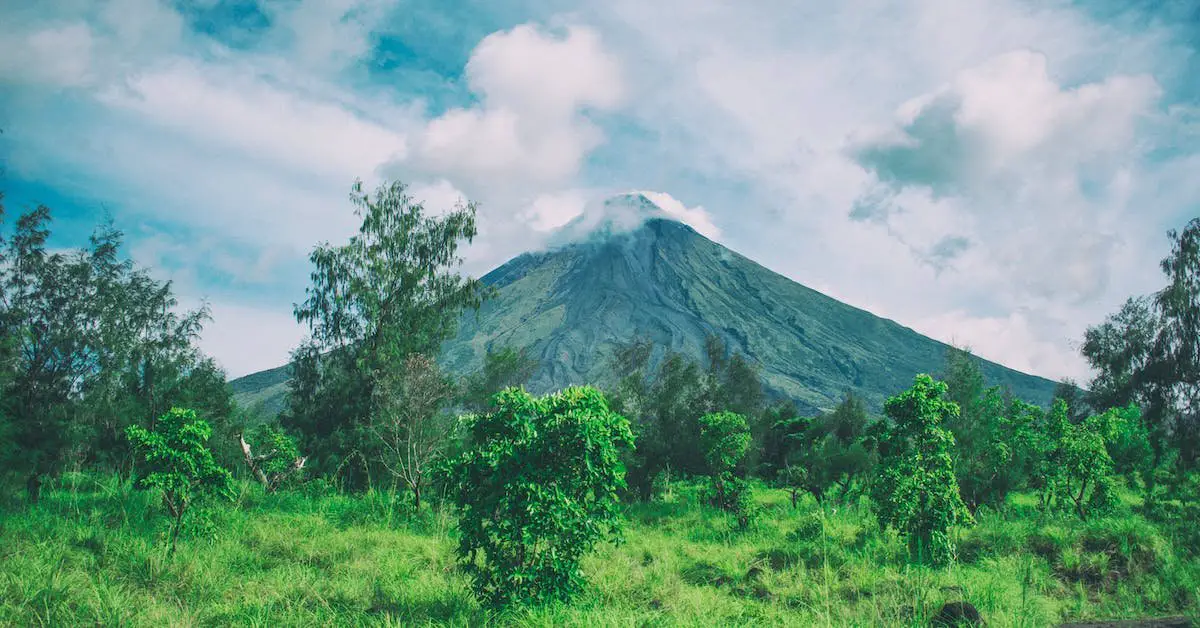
[636, 273]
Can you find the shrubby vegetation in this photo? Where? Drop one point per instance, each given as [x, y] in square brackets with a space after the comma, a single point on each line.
[391, 491]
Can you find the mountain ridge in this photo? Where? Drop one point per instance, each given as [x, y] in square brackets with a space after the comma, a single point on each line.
[571, 305]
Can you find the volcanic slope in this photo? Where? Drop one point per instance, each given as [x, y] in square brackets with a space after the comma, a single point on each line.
[657, 278]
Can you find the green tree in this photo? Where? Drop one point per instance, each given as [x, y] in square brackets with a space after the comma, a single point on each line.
[94, 344]
[916, 491]
[386, 294]
[784, 429]
[178, 463]
[1077, 466]
[1148, 353]
[832, 451]
[991, 442]
[537, 490]
[725, 438]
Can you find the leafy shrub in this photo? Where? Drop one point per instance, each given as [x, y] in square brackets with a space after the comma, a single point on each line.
[725, 439]
[916, 491]
[179, 463]
[537, 490]
[1076, 466]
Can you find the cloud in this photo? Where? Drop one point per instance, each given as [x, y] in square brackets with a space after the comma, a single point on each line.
[695, 217]
[548, 212]
[236, 108]
[603, 215]
[530, 127]
[1002, 117]
[1014, 165]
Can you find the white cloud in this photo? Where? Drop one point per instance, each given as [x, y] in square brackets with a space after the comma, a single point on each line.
[530, 128]
[695, 217]
[238, 109]
[1034, 122]
[548, 212]
[1010, 183]
[326, 35]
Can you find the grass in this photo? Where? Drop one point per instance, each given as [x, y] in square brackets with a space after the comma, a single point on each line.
[92, 552]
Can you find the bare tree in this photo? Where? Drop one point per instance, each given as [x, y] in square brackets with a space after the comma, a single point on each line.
[408, 420]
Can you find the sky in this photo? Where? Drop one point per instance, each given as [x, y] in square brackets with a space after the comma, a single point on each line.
[998, 174]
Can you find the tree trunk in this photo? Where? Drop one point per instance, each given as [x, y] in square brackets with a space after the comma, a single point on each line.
[417, 496]
[175, 531]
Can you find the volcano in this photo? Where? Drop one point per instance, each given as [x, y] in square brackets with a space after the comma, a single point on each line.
[635, 272]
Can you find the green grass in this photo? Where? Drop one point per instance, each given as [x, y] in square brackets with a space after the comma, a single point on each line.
[92, 553]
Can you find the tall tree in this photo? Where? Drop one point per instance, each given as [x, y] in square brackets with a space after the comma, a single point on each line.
[390, 292]
[1148, 353]
[92, 345]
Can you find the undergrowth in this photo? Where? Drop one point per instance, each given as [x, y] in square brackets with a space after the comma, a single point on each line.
[91, 553]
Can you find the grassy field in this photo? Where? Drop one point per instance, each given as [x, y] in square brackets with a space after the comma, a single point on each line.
[91, 553]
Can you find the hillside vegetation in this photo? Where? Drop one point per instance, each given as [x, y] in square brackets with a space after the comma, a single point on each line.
[136, 491]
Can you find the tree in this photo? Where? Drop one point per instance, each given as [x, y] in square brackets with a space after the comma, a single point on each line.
[386, 294]
[502, 368]
[916, 491]
[1075, 398]
[409, 423]
[278, 459]
[1172, 374]
[94, 344]
[783, 432]
[1148, 353]
[725, 437]
[988, 461]
[831, 450]
[537, 490]
[179, 464]
[1077, 465]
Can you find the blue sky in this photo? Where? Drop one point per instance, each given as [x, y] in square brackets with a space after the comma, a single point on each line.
[994, 173]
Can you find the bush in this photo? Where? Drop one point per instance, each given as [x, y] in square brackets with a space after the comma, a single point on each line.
[179, 463]
[537, 490]
[916, 491]
[725, 438]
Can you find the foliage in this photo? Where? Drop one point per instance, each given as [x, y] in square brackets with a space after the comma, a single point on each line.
[538, 489]
[725, 437]
[92, 344]
[502, 368]
[386, 294]
[992, 441]
[409, 425]
[1148, 353]
[831, 450]
[1078, 459]
[278, 460]
[916, 491]
[178, 463]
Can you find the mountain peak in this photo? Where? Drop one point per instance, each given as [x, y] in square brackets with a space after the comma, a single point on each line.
[626, 212]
